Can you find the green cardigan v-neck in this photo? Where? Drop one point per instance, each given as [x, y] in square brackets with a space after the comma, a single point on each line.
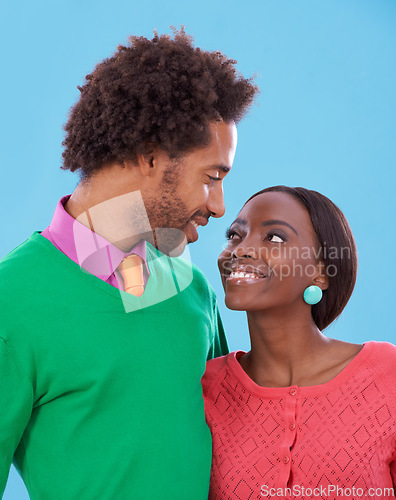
[101, 393]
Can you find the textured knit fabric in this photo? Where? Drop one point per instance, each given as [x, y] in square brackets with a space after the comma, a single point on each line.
[89, 250]
[341, 433]
[100, 391]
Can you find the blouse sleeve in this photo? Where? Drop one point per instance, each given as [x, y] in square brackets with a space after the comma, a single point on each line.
[393, 475]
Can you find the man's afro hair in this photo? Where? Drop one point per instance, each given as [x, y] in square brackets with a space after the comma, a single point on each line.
[152, 94]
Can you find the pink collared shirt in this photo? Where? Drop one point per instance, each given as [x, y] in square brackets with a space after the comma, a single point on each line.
[89, 250]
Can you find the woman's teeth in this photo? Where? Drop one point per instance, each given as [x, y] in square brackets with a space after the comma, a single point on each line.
[241, 274]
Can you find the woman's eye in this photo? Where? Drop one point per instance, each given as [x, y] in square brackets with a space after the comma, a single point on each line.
[275, 238]
[232, 235]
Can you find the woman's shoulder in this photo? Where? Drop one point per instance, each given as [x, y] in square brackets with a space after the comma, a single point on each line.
[215, 369]
[385, 352]
[382, 357]
[215, 365]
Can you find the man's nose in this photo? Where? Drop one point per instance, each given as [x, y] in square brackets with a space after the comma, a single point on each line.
[216, 201]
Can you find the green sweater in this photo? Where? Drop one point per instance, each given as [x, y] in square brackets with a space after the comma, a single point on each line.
[101, 392]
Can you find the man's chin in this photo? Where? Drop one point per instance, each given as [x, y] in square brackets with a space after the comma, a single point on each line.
[171, 241]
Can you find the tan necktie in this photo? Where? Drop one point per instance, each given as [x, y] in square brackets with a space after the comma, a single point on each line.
[131, 269]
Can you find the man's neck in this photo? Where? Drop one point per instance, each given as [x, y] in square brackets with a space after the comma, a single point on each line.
[119, 218]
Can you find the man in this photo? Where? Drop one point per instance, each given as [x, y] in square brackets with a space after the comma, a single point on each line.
[105, 331]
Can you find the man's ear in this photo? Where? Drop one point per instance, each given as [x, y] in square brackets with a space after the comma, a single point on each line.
[146, 164]
[321, 279]
[153, 164]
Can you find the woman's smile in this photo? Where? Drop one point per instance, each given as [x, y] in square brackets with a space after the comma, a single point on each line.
[244, 274]
[264, 266]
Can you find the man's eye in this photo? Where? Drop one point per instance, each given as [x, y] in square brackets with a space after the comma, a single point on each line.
[214, 179]
[275, 238]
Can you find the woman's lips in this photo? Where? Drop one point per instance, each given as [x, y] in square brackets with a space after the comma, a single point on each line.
[239, 273]
[239, 277]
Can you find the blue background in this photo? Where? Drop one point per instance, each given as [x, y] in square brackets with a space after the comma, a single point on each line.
[325, 120]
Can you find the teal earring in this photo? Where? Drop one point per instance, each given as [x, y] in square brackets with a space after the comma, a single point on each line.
[312, 295]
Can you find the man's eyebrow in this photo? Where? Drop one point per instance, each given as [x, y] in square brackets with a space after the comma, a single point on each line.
[273, 222]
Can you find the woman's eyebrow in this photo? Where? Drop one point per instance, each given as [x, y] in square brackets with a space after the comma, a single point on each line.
[273, 222]
[242, 222]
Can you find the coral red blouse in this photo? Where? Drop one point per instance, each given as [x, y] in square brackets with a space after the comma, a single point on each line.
[334, 440]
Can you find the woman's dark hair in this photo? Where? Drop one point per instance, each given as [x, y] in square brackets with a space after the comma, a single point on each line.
[152, 94]
[335, 239]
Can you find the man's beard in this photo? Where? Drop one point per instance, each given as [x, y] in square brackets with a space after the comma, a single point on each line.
[168, 215]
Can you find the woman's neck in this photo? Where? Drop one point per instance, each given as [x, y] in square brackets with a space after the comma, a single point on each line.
[292, 351]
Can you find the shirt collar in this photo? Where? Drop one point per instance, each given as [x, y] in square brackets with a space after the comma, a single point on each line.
[89, 250]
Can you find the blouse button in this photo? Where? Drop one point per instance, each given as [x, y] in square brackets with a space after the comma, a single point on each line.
[286, 460]
[292, 426]
[293, 392]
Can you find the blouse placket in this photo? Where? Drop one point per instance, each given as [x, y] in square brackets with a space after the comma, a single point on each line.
[290, 402]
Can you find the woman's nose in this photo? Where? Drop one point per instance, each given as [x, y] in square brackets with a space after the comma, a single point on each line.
[245, 252]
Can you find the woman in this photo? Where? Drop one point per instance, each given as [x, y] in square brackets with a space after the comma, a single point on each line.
[300, 415]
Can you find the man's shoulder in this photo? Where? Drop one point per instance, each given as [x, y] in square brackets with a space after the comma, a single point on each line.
[18, 256]
[22, 265]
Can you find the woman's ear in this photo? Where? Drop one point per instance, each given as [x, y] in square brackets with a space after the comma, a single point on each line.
[321, 279]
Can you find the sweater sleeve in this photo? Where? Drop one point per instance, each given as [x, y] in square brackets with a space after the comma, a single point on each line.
[219, 346]
[16, 403]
